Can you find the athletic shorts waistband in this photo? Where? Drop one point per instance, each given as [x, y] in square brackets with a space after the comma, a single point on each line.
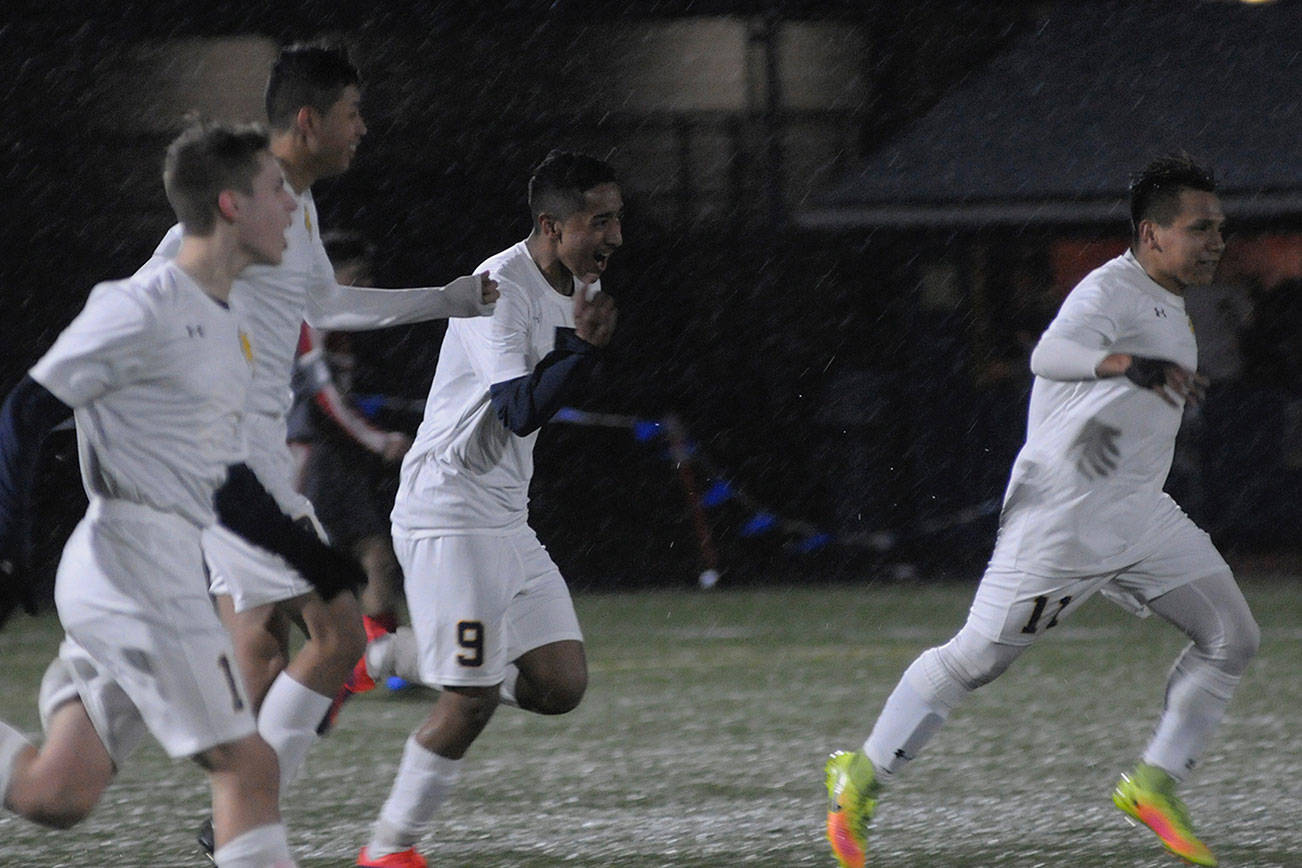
[112, 507]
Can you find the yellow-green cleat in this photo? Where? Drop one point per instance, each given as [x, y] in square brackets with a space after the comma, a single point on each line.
[852, 790]
[1148, 795]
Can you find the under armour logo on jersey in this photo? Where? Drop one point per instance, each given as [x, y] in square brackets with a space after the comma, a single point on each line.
[194, 331]
[1160, 311]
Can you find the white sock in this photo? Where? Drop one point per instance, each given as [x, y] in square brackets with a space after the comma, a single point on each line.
[394, 654]
[259, 847]
[422, 783]
[12, 743]
[288, 721]
[1196, 696]
[506, 692]
[915, 710]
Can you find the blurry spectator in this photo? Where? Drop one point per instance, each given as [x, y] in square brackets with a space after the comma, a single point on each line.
[1215, 464]
[1274, 353]
[342, 458]
[1272, 346]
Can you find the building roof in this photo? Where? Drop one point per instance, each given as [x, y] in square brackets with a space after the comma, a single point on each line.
[1051, 129]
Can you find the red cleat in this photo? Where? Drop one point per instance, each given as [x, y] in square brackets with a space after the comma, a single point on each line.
[405, 859]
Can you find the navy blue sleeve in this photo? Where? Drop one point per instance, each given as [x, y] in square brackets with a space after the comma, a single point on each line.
[246, 508]
[525, 403]
[28, 414]
[26, 417]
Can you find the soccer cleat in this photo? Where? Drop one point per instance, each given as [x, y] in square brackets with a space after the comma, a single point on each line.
[406, 859]
[207, 842]
[360, 681]
[381, 625]
[852, 789]
[382, 656]
[1148, 795]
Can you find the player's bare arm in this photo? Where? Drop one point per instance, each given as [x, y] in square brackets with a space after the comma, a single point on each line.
[27, 415]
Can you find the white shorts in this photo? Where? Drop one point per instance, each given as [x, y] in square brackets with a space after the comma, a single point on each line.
[249, 575]
[144, 647]
[1015, 607]
[479, 601]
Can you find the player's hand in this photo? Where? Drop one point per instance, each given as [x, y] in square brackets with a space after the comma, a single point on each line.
[1097, 448]
[396, 444]
[594, 318]
[487, 289]
[469, 295]
[332, 572]
[1171, 382]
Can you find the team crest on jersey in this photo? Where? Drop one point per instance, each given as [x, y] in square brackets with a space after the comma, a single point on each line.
[307, 220]
[247, 346]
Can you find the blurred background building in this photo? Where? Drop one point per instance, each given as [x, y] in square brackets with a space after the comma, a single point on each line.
[848, 223]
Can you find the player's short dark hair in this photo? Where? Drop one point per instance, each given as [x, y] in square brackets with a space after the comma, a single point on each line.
[343, 245]
[307, 75]
[204, 160]
[1155, 192]
[561, 179]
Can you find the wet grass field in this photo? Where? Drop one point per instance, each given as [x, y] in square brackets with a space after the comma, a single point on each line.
[702, 739]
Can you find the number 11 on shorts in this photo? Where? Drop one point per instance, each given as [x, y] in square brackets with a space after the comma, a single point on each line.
[1038, 612]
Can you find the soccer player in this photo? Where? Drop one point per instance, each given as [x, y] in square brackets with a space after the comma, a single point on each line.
[313, 103]
[492, 615]
[341, 459]
[1084, 511]
[156, 369]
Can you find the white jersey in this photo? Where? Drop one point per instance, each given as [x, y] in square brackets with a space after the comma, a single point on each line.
[275, 300]
[467, 471]
[1057, 517]
[156, 372]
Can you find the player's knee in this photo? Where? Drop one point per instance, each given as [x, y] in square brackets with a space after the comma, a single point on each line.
[340, 634]
[1226, 635]
[248, 756]
[562, 695]
[976, 661]
[258, 643]
[58, 815]
[1240, 645]
[248, 766]
[553, 678]
[62, 802]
